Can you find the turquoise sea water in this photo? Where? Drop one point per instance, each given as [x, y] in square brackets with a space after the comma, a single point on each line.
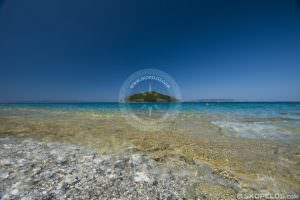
[277, 120]
[249, 107]
[288, 110]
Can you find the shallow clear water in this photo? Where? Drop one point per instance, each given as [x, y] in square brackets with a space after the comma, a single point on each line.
[269, 120]
[258, 143]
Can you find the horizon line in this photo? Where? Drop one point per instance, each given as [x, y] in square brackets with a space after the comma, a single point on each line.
[183, 101]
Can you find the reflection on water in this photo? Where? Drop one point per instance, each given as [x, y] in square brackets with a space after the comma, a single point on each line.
[256, 144]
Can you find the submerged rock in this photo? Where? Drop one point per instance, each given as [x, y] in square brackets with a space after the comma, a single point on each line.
[38, 170]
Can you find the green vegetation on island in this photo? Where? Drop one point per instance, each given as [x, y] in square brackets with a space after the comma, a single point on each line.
[151, 96]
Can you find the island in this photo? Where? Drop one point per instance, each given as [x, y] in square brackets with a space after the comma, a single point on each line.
[151, 96]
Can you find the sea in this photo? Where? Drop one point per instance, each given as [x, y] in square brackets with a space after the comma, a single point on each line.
[256, 120]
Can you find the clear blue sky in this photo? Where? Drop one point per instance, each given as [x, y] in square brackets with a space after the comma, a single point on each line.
[71, 50]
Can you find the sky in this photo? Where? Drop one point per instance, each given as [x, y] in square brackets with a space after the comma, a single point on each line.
[75, 50]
